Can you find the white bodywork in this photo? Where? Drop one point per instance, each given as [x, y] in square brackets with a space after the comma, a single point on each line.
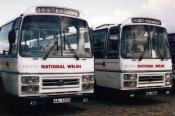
[110, 72]
[68, 68]
[52, 69]
[111, 76]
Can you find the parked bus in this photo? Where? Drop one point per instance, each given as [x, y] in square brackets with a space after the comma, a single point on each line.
[133, 57]
[46, 55]
[171, 39]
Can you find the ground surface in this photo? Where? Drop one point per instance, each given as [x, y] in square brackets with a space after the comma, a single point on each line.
[103, 105]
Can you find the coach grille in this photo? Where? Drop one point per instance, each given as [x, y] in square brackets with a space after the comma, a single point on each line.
[150, 79]
[60, 83]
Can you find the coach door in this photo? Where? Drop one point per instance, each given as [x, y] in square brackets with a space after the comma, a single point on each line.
[100, 37]
[112, 58]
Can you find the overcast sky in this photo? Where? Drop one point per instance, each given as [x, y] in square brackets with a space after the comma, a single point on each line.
[99, 11]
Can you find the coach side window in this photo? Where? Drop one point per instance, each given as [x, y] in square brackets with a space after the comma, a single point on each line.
[113, 43]
[4, 43]
[99, 37]
[16, 29]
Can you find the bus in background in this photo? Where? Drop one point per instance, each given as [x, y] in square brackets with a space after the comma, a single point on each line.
[171, 39]
[46, 55]
[133, 57]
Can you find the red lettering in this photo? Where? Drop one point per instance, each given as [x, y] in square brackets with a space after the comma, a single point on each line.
[145, 66]
[59, 66]
[52, 66]
[139, 66]
[150, 66]
[160, 65]
[73, 66]
[42, 66]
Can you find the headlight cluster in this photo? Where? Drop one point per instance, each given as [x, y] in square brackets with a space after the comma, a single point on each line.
[168, 79]
[130, 80]
[88, 82]
[88, 78]
[30, 88]
[30, 84]
[130, 76]
[30, 79]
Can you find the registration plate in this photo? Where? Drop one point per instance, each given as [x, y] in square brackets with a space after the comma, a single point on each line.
[62, 100]
[151, 93]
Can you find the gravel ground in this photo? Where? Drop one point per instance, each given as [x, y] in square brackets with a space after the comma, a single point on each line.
[103, 105]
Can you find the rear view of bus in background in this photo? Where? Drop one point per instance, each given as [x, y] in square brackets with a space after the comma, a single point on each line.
[171, 39]
[133, 57]
[46, 54]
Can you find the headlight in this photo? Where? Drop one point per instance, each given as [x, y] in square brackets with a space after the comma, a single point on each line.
[30, 88]
[167, 75]
[130, 83]
[168, 82]
[168, 79]
[87, 78]
[130, 76]
[30, 79]
[87, 86]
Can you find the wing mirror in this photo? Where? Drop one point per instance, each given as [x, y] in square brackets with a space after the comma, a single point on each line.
[12, 37]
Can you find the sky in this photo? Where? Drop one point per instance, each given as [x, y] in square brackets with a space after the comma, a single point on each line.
[99, 12]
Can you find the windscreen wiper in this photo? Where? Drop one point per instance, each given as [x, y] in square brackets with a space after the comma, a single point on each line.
[141, 56]
[159, 53]
[157, 50]
[70, 48]
[49, 51]
[143, 53]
